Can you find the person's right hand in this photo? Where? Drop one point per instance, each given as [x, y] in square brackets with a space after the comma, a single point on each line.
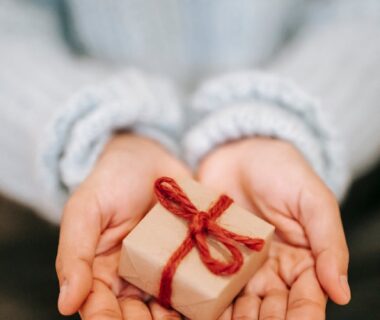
[99, 214]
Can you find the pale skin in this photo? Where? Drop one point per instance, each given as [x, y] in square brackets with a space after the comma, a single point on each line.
[307, 262]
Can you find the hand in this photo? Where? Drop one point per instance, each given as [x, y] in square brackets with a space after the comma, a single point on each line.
[285, 287]
[100, 213]
[272, 179]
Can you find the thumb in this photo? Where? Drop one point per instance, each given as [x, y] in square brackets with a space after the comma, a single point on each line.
[320, 216]
[80, 230]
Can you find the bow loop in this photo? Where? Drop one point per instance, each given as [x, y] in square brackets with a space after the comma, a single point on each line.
[171, 196]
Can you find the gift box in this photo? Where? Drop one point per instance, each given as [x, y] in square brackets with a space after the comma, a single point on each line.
[195, 249]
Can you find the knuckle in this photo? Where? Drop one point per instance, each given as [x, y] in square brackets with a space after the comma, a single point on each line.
[108, 314]
[82, 202]
[131, 302]
[59, 266]
[344, 256]
[303, 302]
[277, 292]
[253, 299]
[243, 317]
[272, 317]
[171, 317]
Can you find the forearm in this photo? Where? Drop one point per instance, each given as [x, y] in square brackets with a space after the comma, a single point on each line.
[59, 110]
[37, 75]
[336, 59]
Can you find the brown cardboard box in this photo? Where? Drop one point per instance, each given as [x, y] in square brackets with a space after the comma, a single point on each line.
[197, 292]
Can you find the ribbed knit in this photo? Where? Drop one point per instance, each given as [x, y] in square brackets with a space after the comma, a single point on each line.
[246, 104]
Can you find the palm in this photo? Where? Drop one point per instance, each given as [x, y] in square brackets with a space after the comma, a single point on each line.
[277, 194]
[275, 182]
[285, 285]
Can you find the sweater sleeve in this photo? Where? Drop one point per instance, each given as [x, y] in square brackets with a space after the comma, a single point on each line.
[321, 93]
[57, 110]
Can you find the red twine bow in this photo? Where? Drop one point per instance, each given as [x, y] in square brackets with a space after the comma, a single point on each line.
[201, 224]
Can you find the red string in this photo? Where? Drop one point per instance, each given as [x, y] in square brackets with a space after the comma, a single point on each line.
[201, 224]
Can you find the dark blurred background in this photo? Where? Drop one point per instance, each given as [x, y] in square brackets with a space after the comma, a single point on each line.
[28, 286]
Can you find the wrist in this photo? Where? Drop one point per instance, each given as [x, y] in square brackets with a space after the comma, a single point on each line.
[246, 152]
[130, 142]
[238, 148]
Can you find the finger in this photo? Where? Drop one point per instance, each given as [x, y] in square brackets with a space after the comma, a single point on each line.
[101, 304]
[133, 308]
[266, 279]
[80, 231]
[227, 314]
[319, 213]
[287, 228]
[306, 298]
[246, 307]
[268, 285]
[130, 290]
[274, 305]
[160, 313]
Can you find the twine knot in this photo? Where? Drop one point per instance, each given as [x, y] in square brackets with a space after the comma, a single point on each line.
[201, 225]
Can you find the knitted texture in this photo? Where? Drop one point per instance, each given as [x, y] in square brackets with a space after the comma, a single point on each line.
[132, 100]
[250, 103]
[38, 74]
[183, 39]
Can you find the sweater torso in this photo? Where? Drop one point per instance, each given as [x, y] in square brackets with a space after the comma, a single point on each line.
[182, 39]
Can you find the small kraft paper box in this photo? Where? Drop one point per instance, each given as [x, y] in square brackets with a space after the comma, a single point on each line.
[195, 291]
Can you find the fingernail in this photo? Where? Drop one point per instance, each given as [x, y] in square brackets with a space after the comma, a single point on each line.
[345, 287]
[62, 292]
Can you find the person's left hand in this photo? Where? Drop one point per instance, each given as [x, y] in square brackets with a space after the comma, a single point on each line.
[285, 287]
[309, 254]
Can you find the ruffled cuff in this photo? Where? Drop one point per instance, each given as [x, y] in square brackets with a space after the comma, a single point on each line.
[246, 104]
[133, 100]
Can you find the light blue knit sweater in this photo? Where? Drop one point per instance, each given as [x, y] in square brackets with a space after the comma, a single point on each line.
[190, 74]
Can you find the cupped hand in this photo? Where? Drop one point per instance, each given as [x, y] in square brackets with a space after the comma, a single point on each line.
[285, 287]
[99, 214]
[309, 255]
